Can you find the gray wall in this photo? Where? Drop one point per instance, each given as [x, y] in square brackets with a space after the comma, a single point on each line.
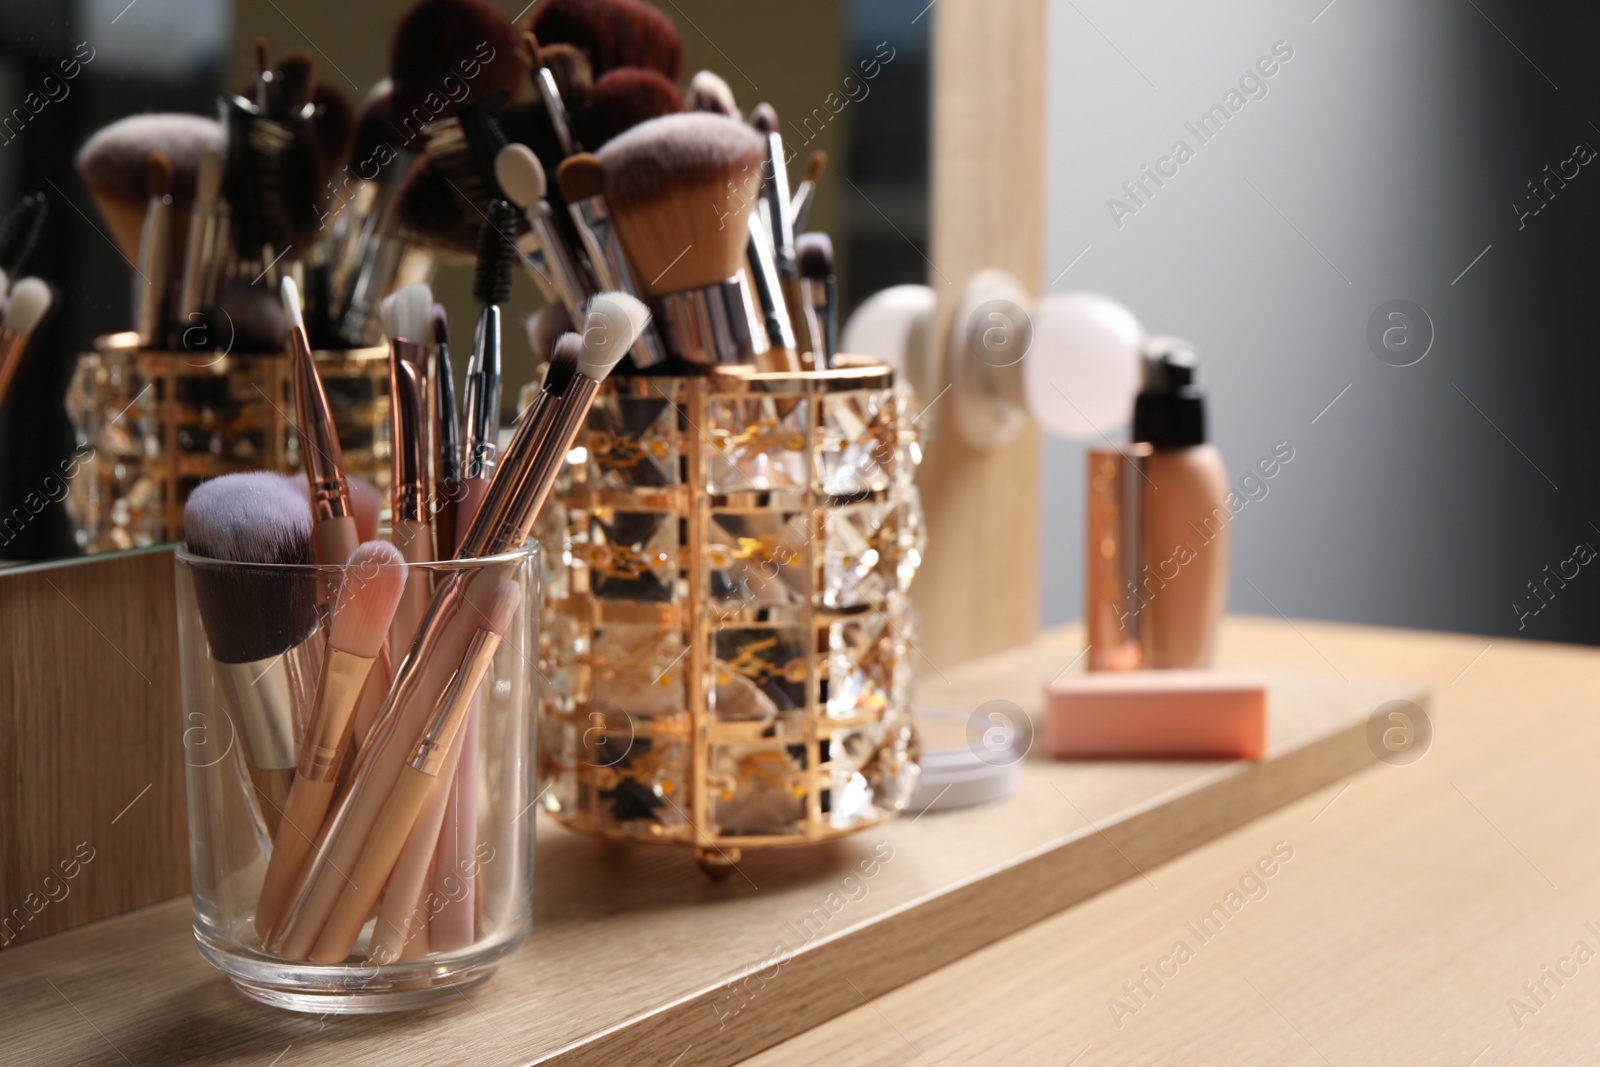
[1383, 159]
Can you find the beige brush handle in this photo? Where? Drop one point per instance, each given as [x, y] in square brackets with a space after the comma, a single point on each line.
[418, 685]
[414, 539]
[366, 879]
[404, 916]
[302, 819]
[272, 793]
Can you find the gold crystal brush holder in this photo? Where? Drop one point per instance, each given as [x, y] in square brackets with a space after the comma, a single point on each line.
[727, 645]
[151, 425]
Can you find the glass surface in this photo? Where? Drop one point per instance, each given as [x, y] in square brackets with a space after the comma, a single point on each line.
[468, 901]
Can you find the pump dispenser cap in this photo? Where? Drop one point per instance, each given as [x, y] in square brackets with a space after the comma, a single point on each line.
[1170, 411]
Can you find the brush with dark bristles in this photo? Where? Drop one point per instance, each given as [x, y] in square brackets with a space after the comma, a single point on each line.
[569, 66]
[491, 288]
[621, 100]
[260, 621]
[544, 327]
[442, 43]
[819, 300]
[555, 106]
[270, 180]
[443, 199]
[361, 192]
[710, 92]
[806, 191]
[614, 33]
[18, 234]
[447, 441]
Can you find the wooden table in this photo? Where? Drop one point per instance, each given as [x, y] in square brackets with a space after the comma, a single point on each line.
[1418, 902]
[1410, 910]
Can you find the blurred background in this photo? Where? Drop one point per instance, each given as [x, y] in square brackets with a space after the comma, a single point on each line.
[1388, 158]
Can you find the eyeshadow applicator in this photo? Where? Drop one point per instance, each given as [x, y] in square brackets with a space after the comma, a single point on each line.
[522, 179]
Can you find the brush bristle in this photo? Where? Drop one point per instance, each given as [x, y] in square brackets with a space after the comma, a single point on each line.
[614, 33]
[208, 186]
[290, 293]
[251, 317]
[20, 231]
[372, 129]
[681, 189]
[366, 503]
[622, 100]
[438, 41]
[30, 301]
[158, 175]
[497, 254]
[564, 359]
[545, 326]
[611, 324]
[709, 91]
[815, 254]
[406, 313]
[112, 164]
[332, 129]
[764, 119]
[569, 66]
[816, 165]
[520, 174]
[441, 325]
[501, 608]
[375, 576]
[434, 214]
[252, 613]
[581, 177]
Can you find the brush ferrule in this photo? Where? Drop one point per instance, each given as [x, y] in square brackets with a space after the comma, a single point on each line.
[556, 108]
[775, 191]
[817, 296]
[495, 528]
[319, 440]
[483, 397]
[768, 282]
[408, 392]
[433, 748]
[572, 289]
[338, 689]
[263, 697]
[716, 324]
[592, 215]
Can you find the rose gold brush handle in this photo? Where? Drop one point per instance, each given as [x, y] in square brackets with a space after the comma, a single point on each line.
[437, 747]
[319, 444]
[338, 690]
[12, 345]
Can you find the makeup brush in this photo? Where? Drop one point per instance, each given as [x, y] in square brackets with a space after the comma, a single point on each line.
[18, 234]
[368, 594]
[569, 66]
[681, 190]
[319, 443]
[806, 191]
[407, 316]
[113, 162]
[447, 440]
[259, 621]
[30, 301]
[614, 33]
[621, 100]
[153, 270]
[365, 501]
[424, 775]
[776, 207]
[522, 481]
[491, 287]
[544, 327]
[772, 297]
[710, 92]
[521, 176]
[247, 319]
[818, 296]
[555, 106]
[206, 252]
[442, 44]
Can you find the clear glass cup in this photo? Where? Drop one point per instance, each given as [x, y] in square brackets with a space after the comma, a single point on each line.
[245, 730]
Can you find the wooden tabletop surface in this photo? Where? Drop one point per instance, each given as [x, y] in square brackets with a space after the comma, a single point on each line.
[1445, 911]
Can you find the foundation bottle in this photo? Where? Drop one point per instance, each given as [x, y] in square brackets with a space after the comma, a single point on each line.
[1183, 580]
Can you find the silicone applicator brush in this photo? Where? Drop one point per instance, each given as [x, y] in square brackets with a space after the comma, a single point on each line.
[367, 599]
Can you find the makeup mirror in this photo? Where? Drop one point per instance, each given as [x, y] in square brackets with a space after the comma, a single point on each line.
[847, 77]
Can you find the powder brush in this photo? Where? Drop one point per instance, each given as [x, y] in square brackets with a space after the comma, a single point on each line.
[368, 594]
[31, 300]
[621, 100]
[113, 166]
[613, 33]
[709, 91]
[440, 44]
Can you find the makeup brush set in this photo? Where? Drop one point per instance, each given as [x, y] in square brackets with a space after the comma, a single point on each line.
[348, 665]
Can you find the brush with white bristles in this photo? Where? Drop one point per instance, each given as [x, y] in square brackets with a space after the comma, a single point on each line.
[710, 92]
[407, 318]
[368, 596]
[522, 178]
[29, 304]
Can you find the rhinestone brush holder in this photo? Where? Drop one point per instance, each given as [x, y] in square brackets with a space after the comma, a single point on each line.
[151, 425]
[727, 649]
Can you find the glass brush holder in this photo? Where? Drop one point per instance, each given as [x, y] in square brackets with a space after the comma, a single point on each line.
[254, 649]
[151, 425]
[726, 659]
